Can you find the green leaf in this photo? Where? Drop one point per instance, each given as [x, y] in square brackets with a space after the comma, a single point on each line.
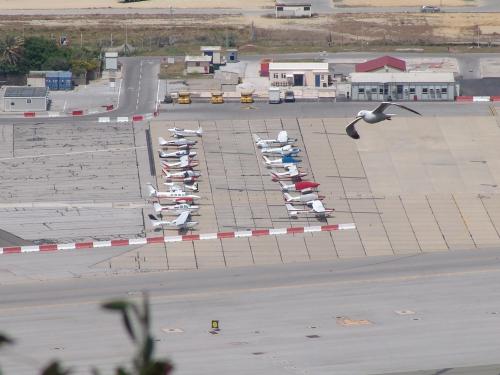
[55, 368]
[128, 325]
[145, 306]
[158, 368]
[116, 305]
[147, 350]
[121, 371]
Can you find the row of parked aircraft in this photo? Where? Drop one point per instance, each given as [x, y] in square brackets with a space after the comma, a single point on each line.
[308, 201]
[180, 178]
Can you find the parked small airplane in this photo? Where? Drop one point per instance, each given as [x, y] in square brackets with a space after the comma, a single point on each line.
[302, 198]
[291, 173]
[373, 117]
[284, 151]
[179, 142]
[316, 208]
[182, 222]
[302, 186]
[176, 209]
[184, 176]
[175, 194]
[283, 162]
[181, 133]
[183, 163]
[174, 187]
[176, 154]
[281, 140]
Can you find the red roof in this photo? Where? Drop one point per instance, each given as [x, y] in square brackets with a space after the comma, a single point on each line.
[380, 62]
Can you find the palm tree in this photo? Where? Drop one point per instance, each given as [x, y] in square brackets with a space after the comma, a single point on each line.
[11, 49]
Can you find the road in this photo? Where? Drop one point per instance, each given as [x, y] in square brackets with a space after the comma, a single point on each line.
[407, 313]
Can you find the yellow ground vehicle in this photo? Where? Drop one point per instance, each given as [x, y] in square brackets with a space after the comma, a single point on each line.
[217, 97]
[184, 98]
[246, 98]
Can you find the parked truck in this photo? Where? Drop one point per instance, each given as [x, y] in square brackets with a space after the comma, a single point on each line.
[274, 95]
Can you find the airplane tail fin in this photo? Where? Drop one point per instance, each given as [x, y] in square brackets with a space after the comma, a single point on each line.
[162, 141]
[199, 132]
[256, 138]
[266, 159]
[192, 187]
[154, 220]
[157, 207]
[288, 197]
[151, 190]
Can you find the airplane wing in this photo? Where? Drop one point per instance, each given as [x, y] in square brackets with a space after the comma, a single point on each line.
[381, 107]
[182, 218]
[351, 130]
[282, 136]
[318, 207]
[404, 107]
[292, 169]
[184, 160]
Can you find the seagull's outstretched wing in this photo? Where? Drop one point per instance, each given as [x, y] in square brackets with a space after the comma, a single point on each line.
[381, 107]
[351, 130]
[404, 107]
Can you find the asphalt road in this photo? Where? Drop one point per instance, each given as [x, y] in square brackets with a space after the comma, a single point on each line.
[406, 313]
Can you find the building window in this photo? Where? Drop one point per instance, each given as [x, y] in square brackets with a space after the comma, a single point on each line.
[361, 90]
[279, 9]
[307, 8]
[276, 75]
[412, 90]
[381, 90]
[374, 90]
[28, 101]
[283, 75]
[424, 90]
[197, 63]
[444, 90]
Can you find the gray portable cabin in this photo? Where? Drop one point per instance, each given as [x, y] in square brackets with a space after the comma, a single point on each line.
[25, 99]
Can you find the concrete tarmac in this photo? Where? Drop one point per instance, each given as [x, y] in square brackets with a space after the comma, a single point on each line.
[359, 316]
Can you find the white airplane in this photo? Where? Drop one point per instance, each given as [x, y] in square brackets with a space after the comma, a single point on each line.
[175, 194]
[283, 162]
[373, 117]
[176, 209]
[184, 176]
[176, 154]
[291, 173]
[179, 142]
[183, 163]
[174, 187]
[281, 140]
[182, 222]
[302, 198]
[317, 209]
[181, 133]
[283, 151]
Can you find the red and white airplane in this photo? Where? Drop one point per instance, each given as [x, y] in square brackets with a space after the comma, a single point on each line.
[184, 163]
[316, 208]
[291, 174]
[176, 154]
[175, 194]
[302, 198]
[281, 140]
[182, 133]
[181, 223]
[302, 186]
[179, 142]
[176, 209]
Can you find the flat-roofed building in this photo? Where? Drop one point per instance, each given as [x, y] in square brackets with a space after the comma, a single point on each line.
[198, 64]
[292, 9]
[25, 99]
[288, 74]
[430, 86]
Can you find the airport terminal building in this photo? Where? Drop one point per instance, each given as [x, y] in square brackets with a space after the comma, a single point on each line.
[404, 86]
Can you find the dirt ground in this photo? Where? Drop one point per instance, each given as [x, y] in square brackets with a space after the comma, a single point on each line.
[83, 4]
[396, 3]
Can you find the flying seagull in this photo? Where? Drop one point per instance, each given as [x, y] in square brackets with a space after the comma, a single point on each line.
[373, 117]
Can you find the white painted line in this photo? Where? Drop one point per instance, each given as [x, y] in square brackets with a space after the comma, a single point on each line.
[54, 114]
[274, 231]
[172, 239]
[312, 229]
[66, 246]
[102, 243]
[119, 91]
[103, 119]
[30, 249]
[208, 236]
[243, 233]
[122, 119]
[138, 241]
[347, 226]
[92, 111]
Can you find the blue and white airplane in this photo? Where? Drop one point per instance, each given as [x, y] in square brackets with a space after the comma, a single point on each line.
[287, 150]
[283, 162]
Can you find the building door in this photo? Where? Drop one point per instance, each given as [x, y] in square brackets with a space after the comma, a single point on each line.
[298, 80]
[399, 92]
[317, 80]
[386, 91]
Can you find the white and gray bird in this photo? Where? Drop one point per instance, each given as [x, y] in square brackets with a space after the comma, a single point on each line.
[373, 117]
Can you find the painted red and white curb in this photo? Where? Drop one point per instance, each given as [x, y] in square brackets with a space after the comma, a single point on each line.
[134, 118]
[169, 239]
